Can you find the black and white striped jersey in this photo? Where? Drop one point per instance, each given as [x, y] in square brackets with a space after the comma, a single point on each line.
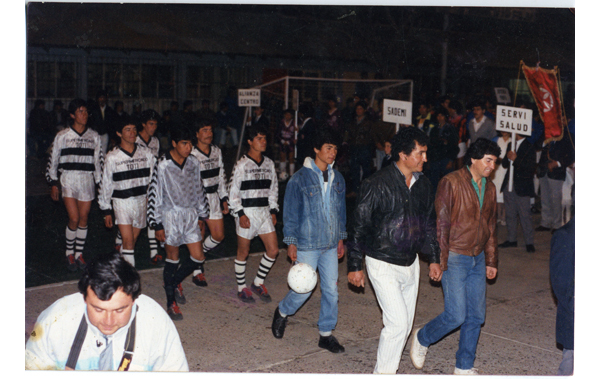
[213, 172]
[153, 144]
[125, 175]
[253, 184]
[175, 186]
[72, 151]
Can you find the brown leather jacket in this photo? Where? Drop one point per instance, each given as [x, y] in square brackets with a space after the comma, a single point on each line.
[462, 227]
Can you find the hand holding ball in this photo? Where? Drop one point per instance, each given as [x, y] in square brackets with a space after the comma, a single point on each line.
[302, 278]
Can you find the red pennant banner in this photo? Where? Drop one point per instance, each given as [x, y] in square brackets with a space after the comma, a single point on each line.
[544, 87]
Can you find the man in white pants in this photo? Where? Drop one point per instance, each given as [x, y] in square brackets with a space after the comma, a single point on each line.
[395, 220]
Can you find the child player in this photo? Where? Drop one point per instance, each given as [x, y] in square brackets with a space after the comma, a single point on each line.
[77, 157]
[177, 208]
[213, 180]
[253, 192]
[125, 179]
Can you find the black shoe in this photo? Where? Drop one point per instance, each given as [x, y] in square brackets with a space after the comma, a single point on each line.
[331, 344]
[278, 325]
[530, 248]
[508, 244]
[534, 210]
[542, 229]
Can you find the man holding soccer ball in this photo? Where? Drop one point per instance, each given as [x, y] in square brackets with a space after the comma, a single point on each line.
[314, 218]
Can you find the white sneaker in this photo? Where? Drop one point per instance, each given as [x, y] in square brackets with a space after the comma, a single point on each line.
[417, 351]
[471, 371]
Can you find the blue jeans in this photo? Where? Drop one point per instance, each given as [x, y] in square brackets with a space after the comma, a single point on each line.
[326, 262]
[464, 306]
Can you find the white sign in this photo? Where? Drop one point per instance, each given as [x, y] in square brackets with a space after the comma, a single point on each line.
[514, 120]
[249, 97]
[502, 95]
[396, 111]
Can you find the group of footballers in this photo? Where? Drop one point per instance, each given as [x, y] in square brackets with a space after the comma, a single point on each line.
[176, 195]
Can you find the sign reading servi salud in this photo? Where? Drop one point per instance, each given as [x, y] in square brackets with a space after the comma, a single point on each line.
[514, 120]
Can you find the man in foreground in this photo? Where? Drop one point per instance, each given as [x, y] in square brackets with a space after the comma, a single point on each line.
[465, 204]
[394, 221]
[109, 325]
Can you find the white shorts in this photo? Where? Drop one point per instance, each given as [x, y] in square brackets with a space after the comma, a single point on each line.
[181, 227]
[78, 185]
[214, 204]
[131, 211]
[260, 223]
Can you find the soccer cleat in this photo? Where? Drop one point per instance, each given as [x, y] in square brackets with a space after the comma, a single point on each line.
[471, 371]
[245, 295]
[261, 291]
[278, 325]
[417, 351]
[157, 260]
[179, 296]
[80, 263]
[331, 343]
[174, 312]
[200, 280]
[71, 264]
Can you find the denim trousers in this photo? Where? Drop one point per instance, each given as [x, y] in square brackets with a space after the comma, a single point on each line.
[326, 263]
[464, 306]
[396, 288]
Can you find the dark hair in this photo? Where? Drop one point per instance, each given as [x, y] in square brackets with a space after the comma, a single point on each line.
[101, 93]
[181, 133]
[405, 141]
[118, 102]
[75, 104]
[481, 147]
[443, 111]
[326, 135]
[123, 122]
[362, 104]
[187, 103]
[289, 110]
[39, 102]
[456, 105]
[107, 273]
[256, 130]
[306, 109]
[149, 114]
[174, 102]
[205, 121]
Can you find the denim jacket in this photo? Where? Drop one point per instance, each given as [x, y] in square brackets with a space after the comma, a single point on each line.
[314, 217]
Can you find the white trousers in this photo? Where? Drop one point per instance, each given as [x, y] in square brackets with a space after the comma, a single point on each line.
[396, 288]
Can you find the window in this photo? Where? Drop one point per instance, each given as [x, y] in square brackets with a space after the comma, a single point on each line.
[131, 81]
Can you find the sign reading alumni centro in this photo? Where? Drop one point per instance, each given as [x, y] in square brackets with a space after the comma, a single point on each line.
[249, 97]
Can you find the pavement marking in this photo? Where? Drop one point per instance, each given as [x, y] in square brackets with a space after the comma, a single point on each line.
[522, 343]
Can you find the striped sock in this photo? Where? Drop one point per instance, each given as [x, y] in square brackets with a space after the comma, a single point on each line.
[240, 274]
[80, 241]
[118, 238]
[128, 256]
[153, 242]
[209, 244]
[263, 270]
[70, 236]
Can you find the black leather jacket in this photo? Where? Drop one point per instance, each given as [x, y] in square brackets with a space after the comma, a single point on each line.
[393, 223]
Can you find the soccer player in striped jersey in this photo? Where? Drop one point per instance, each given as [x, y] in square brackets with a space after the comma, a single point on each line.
[150, 119]
[125, 179]
[177, 208]
[77, 158]
[213, 180]
[253, 192]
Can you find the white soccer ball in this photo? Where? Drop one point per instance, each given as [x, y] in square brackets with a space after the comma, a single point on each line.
[302, 278]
